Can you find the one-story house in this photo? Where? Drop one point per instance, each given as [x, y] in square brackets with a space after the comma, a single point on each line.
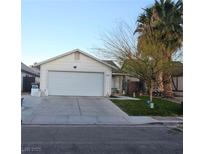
[77, 73]
[28, 76]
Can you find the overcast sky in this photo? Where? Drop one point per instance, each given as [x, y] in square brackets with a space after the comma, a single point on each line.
[52, 27]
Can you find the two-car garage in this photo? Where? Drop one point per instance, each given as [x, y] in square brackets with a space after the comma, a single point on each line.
[75, 83]
[75, 73]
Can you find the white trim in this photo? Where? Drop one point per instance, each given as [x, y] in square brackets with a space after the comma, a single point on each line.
[70, 52]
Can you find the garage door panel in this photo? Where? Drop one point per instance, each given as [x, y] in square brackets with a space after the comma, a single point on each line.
[75, 83]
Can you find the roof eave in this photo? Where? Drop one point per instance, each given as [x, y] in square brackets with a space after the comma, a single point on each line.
[70, 52]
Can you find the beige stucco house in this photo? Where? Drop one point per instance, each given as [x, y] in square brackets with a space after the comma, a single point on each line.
[77, 73]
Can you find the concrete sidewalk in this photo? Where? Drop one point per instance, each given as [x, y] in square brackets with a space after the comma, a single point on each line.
[154, 120]
[168, 119]
[123, 98]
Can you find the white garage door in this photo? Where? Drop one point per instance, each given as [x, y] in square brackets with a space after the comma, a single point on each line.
[75, 83]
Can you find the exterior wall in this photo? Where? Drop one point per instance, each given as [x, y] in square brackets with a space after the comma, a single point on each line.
[67, 63]
[37, 79]
[117, 83]
[180, 82]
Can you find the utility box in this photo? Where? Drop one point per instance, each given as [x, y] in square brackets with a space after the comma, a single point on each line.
[35, 90]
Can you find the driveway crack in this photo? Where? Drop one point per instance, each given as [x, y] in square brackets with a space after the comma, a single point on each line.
[79, 106]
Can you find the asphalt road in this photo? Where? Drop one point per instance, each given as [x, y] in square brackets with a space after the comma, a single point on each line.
[95, 139]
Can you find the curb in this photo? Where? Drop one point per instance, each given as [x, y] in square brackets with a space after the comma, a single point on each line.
[167, 122]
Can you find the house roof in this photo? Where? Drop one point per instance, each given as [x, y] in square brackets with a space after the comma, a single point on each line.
[113, 64]
[110, 62]
[29, 70]
[77, 50]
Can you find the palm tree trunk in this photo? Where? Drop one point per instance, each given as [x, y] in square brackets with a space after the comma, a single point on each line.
[167, 82]
[167, 85]
[160, 82]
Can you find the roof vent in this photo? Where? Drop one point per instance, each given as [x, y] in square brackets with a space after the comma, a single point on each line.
[77, 55]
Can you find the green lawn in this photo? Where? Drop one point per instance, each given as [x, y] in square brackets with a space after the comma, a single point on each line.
[140, 108]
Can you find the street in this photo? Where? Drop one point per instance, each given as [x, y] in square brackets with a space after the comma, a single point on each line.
[101, 139]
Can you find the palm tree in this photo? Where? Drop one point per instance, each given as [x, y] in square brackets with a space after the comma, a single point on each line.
[163, 22]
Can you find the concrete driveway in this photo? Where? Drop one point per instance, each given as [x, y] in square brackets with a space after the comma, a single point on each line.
[71, 110]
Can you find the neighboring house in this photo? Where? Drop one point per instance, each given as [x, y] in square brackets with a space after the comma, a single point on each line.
[177, 79]
[28, 76]
[75, 73]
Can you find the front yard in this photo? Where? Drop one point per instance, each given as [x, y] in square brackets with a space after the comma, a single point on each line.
[141, 108]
